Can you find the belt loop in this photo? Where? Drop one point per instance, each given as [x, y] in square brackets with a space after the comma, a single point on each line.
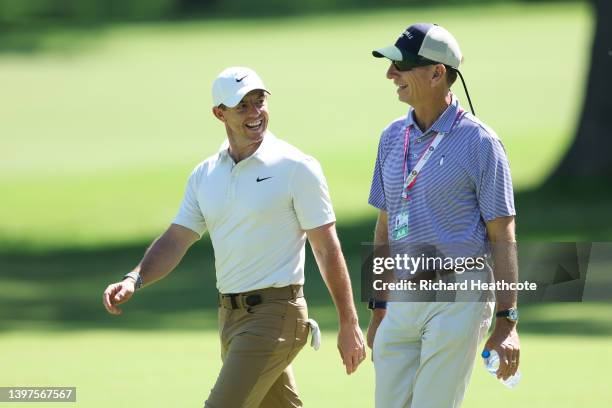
[234, 304]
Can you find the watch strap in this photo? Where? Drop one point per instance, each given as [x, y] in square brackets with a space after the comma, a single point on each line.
[137, 279]
[376, 304]
[510, 314]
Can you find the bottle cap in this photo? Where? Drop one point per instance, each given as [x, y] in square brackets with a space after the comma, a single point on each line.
[486, 353]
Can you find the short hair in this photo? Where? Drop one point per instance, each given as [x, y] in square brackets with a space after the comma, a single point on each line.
[451, 75]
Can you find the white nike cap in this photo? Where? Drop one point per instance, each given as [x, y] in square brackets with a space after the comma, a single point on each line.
[233, 83]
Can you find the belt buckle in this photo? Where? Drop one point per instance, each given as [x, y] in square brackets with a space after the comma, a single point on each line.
[253, 300]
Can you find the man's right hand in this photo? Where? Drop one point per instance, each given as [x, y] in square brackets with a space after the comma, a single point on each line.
[377, 317]
[118, 293]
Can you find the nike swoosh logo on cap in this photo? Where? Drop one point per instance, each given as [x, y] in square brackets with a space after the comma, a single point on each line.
[240, 80]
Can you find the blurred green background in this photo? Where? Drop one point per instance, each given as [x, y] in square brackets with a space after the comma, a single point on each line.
[102, 118]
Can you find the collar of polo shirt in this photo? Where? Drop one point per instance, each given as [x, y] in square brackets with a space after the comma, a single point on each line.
[444, 123]
[262, 153]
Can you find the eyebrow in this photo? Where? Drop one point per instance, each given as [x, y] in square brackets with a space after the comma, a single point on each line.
[257, 97]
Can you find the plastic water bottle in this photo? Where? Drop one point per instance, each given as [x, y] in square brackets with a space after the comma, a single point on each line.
[491, 362]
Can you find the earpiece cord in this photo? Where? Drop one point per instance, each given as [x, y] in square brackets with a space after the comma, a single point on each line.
[466, 92]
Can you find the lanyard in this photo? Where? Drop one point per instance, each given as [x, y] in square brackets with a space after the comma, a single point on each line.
[410, 179]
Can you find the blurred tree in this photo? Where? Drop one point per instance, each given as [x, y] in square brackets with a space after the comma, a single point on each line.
[186, 7]
[589, 159]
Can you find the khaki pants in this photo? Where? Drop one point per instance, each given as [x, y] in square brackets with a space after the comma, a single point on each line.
[258, 344]
[424, 352]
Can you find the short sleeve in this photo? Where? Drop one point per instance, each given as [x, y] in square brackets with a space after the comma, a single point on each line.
[494, 189]
[311, 201]
[189, 214]
[377, 188]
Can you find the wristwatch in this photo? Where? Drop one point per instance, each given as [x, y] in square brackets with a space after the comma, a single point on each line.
[137, 279]
[510, 314]
[376, 304]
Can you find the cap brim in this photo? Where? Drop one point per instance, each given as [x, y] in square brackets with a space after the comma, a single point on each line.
[395, 54]
[391, 52]
[235, 99]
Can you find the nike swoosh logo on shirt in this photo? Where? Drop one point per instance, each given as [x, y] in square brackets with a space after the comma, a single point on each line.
[262, 179]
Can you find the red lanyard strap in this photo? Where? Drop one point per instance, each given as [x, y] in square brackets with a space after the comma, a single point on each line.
[410, 179]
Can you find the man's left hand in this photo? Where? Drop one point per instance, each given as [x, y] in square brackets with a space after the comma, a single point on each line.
[505, 341]
[351, 346]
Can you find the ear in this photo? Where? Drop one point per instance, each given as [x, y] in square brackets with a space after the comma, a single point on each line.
[438, 74]
[219, 114]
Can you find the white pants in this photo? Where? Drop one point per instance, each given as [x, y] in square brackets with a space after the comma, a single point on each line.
[424, 352]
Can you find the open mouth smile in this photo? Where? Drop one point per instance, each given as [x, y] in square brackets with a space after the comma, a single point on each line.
[256, 125]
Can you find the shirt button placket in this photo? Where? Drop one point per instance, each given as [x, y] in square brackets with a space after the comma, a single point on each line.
[235, 173]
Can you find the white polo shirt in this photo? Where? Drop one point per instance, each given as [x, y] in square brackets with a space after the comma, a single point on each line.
[256, 212]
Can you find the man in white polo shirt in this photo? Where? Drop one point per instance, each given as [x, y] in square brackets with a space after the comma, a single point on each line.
[259, 198]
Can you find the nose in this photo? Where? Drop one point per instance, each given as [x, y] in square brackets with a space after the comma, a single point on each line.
[253, 109]
[392, 72]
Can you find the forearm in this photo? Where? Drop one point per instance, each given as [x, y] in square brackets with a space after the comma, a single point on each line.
[335, 275]
[381, 250]
[505, 268]
[159, 260]
[504, 338]
[505, 262]
[381, 231]
[165, 253]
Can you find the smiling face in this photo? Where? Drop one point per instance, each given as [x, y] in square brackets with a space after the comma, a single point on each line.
[246, 122]
[419, 84]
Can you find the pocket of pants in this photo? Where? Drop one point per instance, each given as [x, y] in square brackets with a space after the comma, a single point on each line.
[486, 320]
[277, 308]
[297, 312]
[266, 320]
[302, 328]
[300, 338]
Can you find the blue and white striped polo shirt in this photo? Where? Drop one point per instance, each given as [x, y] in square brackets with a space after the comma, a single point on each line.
[465, 182]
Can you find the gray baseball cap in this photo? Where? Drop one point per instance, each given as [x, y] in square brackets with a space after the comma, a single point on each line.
[425, 44]
[422, 44]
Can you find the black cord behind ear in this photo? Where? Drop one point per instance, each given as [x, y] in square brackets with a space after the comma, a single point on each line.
[466, 92]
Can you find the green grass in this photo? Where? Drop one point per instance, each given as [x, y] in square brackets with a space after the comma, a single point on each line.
[100, 129]
[176, 368]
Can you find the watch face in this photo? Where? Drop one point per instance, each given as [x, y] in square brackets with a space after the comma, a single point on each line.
[513, 315]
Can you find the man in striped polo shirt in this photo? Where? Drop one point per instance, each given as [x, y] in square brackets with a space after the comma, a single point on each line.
[441, 179]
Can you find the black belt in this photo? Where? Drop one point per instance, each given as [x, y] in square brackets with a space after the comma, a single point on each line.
[253, 298]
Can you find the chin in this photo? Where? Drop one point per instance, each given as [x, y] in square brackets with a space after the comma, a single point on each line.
[403, 99]
[256, 135]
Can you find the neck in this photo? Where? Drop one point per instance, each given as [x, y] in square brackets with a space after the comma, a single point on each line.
[241, 149]
[427, 113]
